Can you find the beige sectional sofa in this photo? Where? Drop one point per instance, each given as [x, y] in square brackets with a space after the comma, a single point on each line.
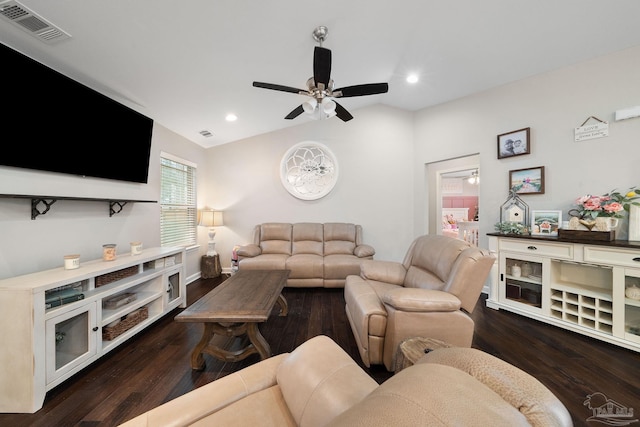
[318, 255]
[318, 384]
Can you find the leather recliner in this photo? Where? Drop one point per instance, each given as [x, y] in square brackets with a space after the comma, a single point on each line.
[318, 384]
[430, 294]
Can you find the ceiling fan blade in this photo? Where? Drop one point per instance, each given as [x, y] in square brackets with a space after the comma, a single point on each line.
[361, 90]
[321, 66]
[342, 113]
[280, 88]
[295, 113]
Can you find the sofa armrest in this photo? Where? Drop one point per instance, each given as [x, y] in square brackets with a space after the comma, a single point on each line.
[420, 300]
[364, 251]
[383, 271]
[249, 251]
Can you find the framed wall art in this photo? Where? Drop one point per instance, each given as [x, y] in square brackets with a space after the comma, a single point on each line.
[545, 223]
[515, 143]
[527, 181]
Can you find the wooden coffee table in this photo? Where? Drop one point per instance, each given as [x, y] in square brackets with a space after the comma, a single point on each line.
[235, 308]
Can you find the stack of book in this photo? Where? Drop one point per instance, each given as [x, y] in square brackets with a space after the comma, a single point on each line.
[64, 296]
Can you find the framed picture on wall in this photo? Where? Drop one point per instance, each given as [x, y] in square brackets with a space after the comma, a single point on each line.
[527, 181]
[545, 223]
[514, 143]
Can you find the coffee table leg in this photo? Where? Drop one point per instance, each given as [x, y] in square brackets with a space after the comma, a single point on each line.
[197, 361]
[284, 306]
[258, 341]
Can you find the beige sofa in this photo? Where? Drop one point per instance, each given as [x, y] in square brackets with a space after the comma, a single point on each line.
[429, 294]
[318, 255]
[318, 384]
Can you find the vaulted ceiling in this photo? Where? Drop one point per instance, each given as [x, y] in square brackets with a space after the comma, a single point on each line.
[188, 64]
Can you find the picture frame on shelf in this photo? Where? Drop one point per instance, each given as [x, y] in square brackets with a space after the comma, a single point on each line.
[527, 181]
[514, 143]
[545, 222]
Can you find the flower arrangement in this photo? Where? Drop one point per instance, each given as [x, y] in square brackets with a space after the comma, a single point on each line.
[612, 204]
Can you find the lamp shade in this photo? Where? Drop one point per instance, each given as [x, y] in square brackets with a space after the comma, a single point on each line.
[309, 106]
[211, 218]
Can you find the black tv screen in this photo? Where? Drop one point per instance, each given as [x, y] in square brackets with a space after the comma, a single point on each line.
[54, 123]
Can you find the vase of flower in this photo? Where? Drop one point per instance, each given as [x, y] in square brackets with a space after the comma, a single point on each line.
[602, 213]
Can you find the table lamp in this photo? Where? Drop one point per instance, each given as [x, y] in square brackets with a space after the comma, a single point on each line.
[210, 218]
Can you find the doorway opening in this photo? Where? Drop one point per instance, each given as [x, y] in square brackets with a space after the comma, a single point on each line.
[454, 197]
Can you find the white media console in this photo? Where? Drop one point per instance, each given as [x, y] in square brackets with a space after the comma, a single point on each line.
[42, 347]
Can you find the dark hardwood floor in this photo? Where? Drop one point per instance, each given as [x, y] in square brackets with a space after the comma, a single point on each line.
[153, 367]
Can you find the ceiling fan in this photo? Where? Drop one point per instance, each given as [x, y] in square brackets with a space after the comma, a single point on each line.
[320, 87]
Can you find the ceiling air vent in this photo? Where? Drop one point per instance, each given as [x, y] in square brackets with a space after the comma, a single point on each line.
[38, 27]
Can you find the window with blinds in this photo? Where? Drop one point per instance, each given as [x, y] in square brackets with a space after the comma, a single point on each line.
[178, 210]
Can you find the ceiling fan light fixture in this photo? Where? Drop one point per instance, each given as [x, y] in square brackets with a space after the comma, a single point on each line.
[329, 106]
[310, 105]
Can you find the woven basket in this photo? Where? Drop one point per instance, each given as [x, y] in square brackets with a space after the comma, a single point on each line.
[116, 275]
[131, 320]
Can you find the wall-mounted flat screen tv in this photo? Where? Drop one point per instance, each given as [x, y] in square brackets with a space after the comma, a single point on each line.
[53, 123]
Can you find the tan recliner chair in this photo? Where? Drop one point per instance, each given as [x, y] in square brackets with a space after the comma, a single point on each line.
[429, 294]
[318, 385]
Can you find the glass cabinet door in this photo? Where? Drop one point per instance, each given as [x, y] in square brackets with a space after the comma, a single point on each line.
[521, 280]
[173, 287]
[70, 340]
[632, 305]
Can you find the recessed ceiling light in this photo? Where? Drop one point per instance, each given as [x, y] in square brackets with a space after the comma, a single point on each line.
[412, 78]
[231, 117]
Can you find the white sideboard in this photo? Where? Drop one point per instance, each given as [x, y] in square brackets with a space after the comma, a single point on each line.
[574, 285]
[45, 344]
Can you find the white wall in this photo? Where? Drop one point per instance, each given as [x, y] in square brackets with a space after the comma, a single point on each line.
[552, 105]
[81, 227]
[374, 154]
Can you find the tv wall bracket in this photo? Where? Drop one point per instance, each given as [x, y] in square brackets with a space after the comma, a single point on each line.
[40, 205]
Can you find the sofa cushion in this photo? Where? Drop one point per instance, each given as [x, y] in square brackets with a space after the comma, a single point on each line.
[341, 266]
[339, 238]
[275, 238]
[319, 381]
[435, 258]
[410, 399]
[305, 266]
[307, 238]
[265, 262]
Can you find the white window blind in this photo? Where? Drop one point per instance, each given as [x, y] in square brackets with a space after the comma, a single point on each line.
[178, 210]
